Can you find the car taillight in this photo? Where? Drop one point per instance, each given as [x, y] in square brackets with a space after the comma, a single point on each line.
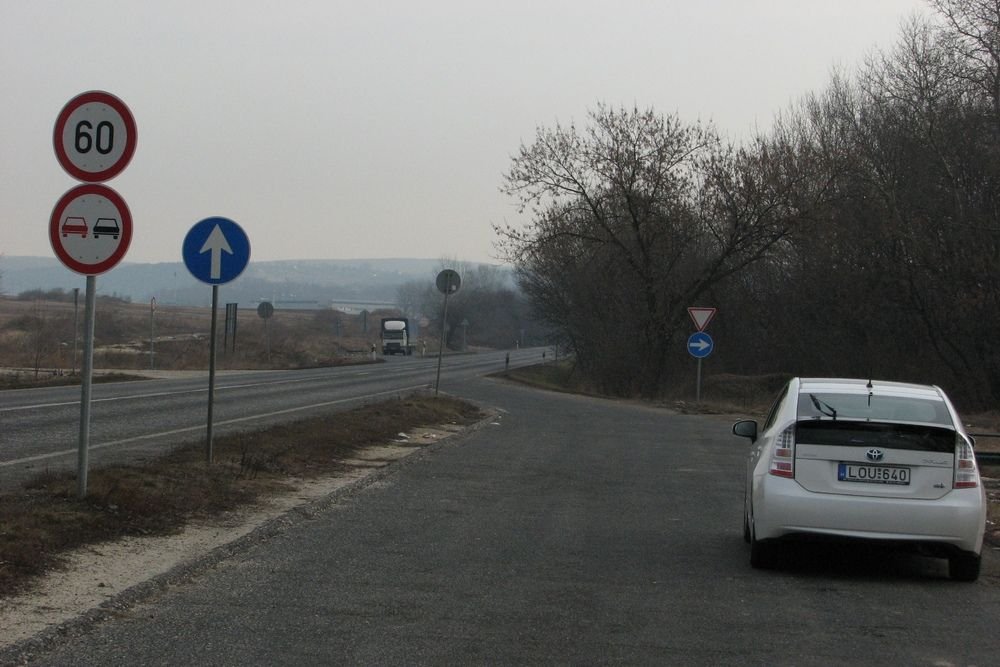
[783, 456]
[966, 472]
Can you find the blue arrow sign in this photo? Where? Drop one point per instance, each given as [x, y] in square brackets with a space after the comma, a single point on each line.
[216, 250]
[700, 345]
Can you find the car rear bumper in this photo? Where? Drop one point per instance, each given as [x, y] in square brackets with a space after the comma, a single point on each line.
[782, 508]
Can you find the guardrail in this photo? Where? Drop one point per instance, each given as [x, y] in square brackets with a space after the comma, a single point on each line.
[987, 458]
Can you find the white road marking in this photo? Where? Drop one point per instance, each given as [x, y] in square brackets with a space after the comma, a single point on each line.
[201, 427]
[160, 394]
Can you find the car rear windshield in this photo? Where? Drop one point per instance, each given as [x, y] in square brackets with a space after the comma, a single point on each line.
[876, 434]
[875, 408]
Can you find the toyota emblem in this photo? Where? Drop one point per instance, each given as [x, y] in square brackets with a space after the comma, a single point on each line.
[874, 454]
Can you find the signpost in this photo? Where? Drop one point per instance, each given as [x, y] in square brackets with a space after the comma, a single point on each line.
[701, 316]
[232, 319]
[265, 310]
[90, 228]
[700, 344]
[215, 251]
[94, 137]
[152, 311]
[448, 282]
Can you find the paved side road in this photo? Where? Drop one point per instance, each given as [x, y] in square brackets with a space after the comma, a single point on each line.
[577, 531]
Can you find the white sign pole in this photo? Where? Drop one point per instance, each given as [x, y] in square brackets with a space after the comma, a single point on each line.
[87, 374]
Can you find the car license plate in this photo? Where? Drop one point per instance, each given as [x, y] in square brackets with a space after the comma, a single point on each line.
[853, 472]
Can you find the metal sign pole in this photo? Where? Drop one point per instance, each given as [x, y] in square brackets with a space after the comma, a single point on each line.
[76, 325]
[152, 309]
[698, 389]
[444, 323]
[211, 373]
[87, 374]
[448, 281]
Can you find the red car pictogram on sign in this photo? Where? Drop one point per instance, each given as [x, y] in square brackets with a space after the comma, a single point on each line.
[74, 225]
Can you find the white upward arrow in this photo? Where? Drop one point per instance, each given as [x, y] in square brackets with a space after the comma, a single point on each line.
[217, 244]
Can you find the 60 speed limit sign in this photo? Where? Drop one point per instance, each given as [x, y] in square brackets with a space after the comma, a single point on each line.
[94, 136]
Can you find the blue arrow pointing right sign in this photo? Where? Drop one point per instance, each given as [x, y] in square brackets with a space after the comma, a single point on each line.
[700, 345]
[216, 250]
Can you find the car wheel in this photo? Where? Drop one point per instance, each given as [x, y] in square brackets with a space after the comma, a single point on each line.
[746, 523]
[964, 567]
[761, 553]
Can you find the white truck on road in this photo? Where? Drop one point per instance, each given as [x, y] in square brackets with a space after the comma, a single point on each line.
[396, 336]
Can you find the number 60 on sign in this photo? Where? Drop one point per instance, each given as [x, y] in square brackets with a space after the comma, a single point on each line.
[94, 136]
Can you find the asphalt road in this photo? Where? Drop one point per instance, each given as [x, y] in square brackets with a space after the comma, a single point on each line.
[134, 421]
[571, 531]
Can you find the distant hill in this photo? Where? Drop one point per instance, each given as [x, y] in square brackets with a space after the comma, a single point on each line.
[323, 281]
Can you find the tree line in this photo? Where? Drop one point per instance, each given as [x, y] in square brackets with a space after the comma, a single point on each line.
[859, 236]
[487, 311]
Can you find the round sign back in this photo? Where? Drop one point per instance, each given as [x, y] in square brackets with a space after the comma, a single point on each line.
[448, 281]
[90, 229]
[94, 136]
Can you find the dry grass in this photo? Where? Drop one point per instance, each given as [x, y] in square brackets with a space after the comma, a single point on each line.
[39, 334]
[45, 520]
[721, 394]
[26, 379]
[554, 376]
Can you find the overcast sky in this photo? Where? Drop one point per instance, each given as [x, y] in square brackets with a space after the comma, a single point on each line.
[335, 129]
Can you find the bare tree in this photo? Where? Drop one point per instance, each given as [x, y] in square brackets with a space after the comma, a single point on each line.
[972, 35]
[636, 216]
[894, 272]
[494, 311]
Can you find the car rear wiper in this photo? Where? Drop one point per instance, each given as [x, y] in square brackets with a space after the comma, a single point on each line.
[824, 408]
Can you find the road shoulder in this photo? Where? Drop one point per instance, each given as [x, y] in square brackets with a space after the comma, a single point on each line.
[101, 580]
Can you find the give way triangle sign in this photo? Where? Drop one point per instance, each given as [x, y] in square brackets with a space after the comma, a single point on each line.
[701, 316]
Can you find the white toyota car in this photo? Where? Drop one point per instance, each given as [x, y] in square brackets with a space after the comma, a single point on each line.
[863, 459]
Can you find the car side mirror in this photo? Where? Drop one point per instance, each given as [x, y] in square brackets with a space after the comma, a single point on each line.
[746, 429]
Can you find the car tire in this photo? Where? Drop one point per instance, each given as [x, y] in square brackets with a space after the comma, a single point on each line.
[964, 566]
[761, 554]
[746, 524]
